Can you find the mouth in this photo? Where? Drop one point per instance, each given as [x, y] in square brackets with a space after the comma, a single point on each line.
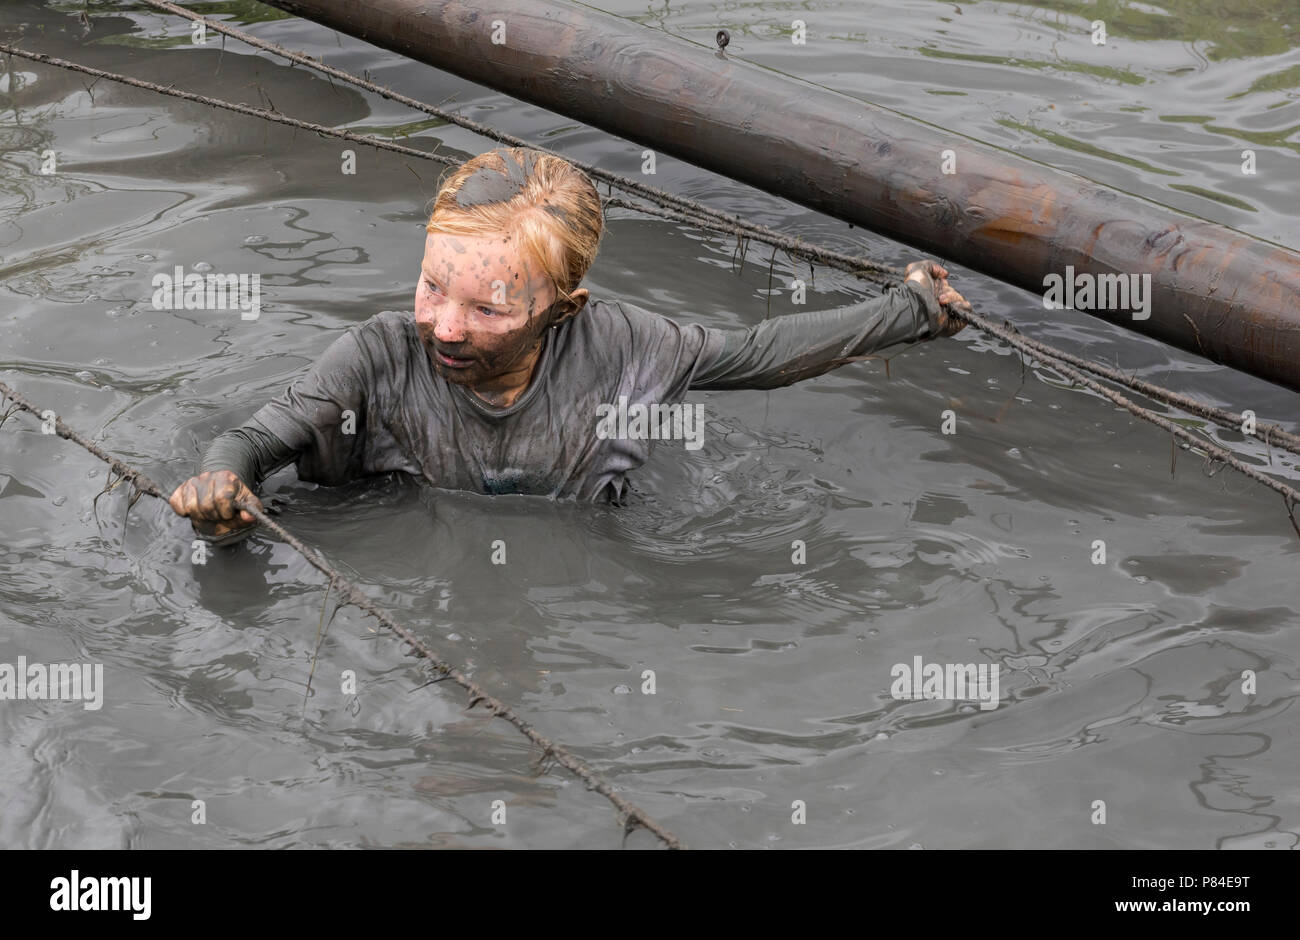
[451, 362]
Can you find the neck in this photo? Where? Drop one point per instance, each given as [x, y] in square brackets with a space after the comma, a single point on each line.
[504, 390]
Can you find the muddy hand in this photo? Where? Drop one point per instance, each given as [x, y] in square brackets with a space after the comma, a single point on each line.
[211, 502]
[937, 277]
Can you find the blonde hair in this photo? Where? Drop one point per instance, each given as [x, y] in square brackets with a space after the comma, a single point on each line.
[544, 201]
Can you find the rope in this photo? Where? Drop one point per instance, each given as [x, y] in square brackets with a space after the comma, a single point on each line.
[1289, 494]
[632, 815]
[1060, 359]
[689, 207]
[263, 113]
[1269, 432]
[880, 272]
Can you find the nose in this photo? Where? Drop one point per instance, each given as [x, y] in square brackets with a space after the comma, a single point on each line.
[449, 324]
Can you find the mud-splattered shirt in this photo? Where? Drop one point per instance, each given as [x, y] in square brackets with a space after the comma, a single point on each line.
[373, 402]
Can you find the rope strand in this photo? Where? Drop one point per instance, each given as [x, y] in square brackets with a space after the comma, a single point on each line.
[630, 814]
[265, 114]
[1059, 359]
[664, 198]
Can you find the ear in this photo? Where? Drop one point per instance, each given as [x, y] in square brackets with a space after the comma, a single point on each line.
[568, 309]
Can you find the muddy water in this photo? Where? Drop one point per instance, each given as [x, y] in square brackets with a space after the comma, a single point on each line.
[1119, 682]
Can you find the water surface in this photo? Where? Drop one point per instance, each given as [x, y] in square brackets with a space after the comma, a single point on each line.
[1121, 682]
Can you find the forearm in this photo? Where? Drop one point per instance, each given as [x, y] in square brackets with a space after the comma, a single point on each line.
[785, 350]
[250, 452]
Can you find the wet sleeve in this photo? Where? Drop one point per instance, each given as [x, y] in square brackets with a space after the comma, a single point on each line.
[251, 452]
[322, 416]
[789, 349]
[319, 420]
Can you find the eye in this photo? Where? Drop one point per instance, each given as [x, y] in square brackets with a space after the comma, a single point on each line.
[488, 312]
[432, 286]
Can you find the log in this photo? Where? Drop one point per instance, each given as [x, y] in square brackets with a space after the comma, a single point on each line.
[1214, 291]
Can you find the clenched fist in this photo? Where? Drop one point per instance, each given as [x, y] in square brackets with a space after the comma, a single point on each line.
[210, 501]
[936, 276]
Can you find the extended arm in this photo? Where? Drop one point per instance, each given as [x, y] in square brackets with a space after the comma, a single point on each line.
[305, 422]
[789, 349]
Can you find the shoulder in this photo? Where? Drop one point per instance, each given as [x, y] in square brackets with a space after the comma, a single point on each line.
[389, 331]
[630, 339]
[398, 324]
[372, 346]
[622, 318]
[603, 314]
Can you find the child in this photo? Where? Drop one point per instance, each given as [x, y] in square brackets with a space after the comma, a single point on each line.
[504, 377]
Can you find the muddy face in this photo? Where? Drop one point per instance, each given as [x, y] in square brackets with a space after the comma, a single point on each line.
[481, 310]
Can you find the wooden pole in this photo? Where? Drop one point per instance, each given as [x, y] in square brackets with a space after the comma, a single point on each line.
[1229, 297]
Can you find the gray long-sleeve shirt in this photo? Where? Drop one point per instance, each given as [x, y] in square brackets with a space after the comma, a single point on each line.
[373, 402]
